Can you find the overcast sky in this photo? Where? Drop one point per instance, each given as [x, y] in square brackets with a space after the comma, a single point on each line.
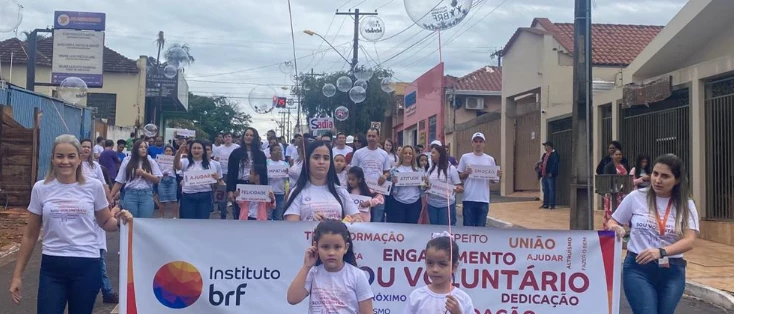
[239, 43]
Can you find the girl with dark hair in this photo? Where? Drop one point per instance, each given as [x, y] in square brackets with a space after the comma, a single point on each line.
[613, 146]
[341, 171]
[330, 269]
[422, 162]
[278, 185]
[442, 260]
[138, 173]
[196, 202]
[641, 172]
[356, 186]
[167, 188]
[615, 167]
[654, 270]
[316, 196]
[247, 165]
[389, 147]
[442, 172]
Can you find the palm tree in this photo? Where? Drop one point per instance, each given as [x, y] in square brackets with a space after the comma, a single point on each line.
[185, 48]
[27, 35]
[160, 42]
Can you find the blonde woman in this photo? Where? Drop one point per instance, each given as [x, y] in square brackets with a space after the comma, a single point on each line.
[66, 204]
[664, 225]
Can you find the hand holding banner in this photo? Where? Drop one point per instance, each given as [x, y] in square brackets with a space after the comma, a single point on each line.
[440, 188]
[199, 177]
[409, 178]
[380, 189]
[360, 199]
[278, 171]
[484, 172]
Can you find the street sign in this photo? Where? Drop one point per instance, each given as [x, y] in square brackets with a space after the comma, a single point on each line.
[79, 43]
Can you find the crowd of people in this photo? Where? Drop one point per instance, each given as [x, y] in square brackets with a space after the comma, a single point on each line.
[93, 189]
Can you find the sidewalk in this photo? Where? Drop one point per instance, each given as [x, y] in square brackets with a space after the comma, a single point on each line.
[710, 265]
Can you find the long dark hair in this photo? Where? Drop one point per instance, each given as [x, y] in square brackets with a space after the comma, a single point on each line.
[204, 158]
[442, 161]
[680, 193]
[418, 159]
[360, 175]
[303, 179]
[258, 157]
[334, 226]
[647, 169]
[134, 161]
[90, 159]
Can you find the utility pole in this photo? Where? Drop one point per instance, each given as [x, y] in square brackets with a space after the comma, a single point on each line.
[581, 200]
[356, 47]
[497, 54]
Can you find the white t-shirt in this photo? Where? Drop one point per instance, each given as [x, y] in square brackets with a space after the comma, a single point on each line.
[295, 172]
[98, 149]
[138, 182]
[291, 151]
[476, 190]
[452, 179]
[68, 216]
[317, 199]
[405, 194]
[222, 153]
[340, 292]
[345, 151]
[373, 162]
[423, 300]
[645, 232]
[96, 173]
[278, 184]
[343, 178]
[190, 189]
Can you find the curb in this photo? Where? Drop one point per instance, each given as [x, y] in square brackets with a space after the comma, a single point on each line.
[700, 291]
[711, 295]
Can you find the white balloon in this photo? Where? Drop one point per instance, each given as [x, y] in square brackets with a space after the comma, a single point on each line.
[344, 83]
[178, 57]
[361, 83]
[72, 89]
[341, 113]
[363, 72]
[11, 15]
[372, 28]
[387, 85]
[437, 15]
[329, 90]
[150, 130]
[261, 98]
[357, 94]
[170, 71]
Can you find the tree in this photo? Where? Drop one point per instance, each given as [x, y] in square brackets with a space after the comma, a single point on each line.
[360, 115]
[212, 115]
[160, 42]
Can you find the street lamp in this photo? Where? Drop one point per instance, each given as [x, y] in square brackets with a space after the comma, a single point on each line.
[312, 33]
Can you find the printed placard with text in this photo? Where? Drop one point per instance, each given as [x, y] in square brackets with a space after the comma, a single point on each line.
[409, 178]
[199, 177]
[253, 193]
[383, 189]
[484, 172]
[278, 171]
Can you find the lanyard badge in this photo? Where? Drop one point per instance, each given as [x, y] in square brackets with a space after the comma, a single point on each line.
[663, 262]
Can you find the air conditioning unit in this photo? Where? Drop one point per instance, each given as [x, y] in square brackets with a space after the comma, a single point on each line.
[474, 103]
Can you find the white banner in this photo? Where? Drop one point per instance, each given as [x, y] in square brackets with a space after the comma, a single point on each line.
[409, 178]
[440, 188]
[278, 171]
[383, 189]
[484, 172]
[165, 162]
[533, 271]
[253, 193]
[199, 177]
[359, 199]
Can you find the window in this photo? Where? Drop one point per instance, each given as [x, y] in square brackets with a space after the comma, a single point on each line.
[432, 128]
[105, 104]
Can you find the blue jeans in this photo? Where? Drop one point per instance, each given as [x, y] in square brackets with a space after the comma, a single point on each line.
[474, 213]
[549, 191]
[439, 215]
[196, 205]
[139, 202]
[377, 213]
[398, 212]
[71, 282]
[453, 213]
[278, 211]
[106, 287]
[167, 190]
[651, 289]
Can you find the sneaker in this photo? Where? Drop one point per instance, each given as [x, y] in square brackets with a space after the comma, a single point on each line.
[110, 298]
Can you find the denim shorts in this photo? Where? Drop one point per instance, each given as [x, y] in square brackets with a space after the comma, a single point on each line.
[167, 190]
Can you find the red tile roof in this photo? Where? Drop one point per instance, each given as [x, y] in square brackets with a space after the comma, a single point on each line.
[112, 61]
[488, 78]
[613, 44]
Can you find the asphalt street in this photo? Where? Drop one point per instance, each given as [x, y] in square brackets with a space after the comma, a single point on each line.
[29, 290]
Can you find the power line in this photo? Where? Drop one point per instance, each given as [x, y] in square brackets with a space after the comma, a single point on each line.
[385, 4]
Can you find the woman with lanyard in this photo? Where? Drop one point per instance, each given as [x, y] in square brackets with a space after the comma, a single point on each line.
[654, 270]
[67, 205]
[442, 172]
[92, 169]
[138, 173]
[405, 202]
[316, 195]
[196, 202]
[247, 165]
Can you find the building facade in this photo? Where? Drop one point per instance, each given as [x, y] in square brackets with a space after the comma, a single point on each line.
[423, 109]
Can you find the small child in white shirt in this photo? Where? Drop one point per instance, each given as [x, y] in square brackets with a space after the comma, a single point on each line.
[442, 260]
